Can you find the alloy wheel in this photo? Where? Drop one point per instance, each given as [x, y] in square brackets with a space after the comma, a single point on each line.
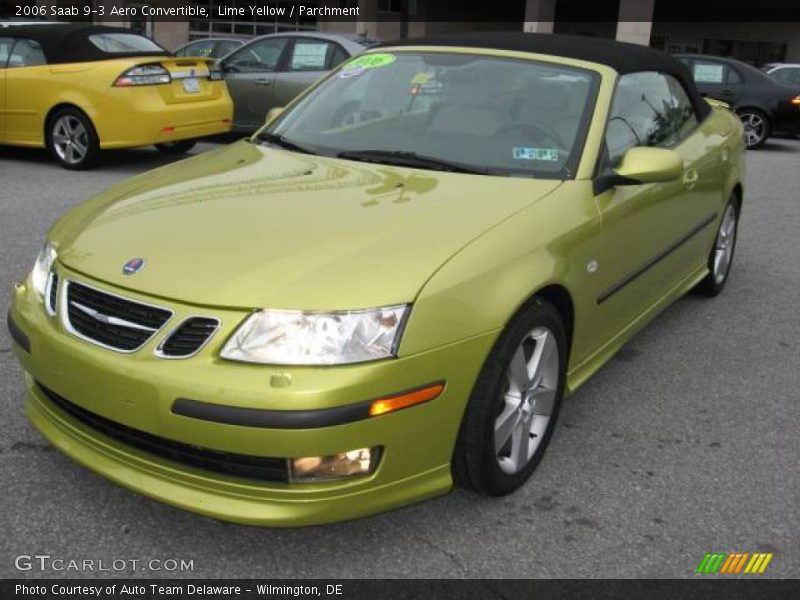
[723, 247]
[70, 139]
[755, 128]
[528, 401]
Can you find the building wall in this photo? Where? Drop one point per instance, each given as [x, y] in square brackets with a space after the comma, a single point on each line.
[692, 34]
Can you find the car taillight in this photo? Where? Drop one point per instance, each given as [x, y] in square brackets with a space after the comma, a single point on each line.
[215, 72]
[144, 75]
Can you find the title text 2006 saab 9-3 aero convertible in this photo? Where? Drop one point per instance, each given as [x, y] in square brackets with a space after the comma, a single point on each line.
[327, 321]
[76, 89]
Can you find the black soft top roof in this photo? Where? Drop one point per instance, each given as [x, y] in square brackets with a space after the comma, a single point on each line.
[69, 43]
[620, 56]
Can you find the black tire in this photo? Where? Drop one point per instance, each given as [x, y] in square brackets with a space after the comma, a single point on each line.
[179, 147]
[72, 139]
[760, 135]
[715, 281]
[476, 463]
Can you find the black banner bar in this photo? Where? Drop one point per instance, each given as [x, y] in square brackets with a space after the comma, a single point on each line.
[735, 588]
[308, 12]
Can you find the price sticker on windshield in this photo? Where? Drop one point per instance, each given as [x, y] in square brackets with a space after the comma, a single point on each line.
[366, 61]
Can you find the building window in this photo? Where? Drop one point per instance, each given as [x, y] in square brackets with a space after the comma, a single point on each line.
[390, 6]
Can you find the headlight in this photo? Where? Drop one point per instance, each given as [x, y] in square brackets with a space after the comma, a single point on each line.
[291, 337]
[41, 268]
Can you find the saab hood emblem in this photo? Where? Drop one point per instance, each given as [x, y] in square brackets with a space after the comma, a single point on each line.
[133, 266]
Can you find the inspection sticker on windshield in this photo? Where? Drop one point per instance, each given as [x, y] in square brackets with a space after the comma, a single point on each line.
[367, 61]
[528, 153]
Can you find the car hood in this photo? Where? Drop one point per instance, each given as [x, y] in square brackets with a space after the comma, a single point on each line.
[251, 226]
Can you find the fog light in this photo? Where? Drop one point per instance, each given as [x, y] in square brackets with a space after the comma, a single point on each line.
[352, 463]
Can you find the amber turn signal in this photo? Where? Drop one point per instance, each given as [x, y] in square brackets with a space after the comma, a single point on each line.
[406, 399]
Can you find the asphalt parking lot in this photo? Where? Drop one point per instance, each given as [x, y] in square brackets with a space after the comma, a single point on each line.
[686, 443]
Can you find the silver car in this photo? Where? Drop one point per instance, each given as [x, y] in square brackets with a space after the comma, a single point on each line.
[783, 72]
[272, 69]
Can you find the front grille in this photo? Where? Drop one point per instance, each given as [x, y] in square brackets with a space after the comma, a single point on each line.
[261, 468]
[188, 338]
[112, 321]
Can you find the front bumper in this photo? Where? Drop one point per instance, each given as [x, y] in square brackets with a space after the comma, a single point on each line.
[139, 390]
[786, 119]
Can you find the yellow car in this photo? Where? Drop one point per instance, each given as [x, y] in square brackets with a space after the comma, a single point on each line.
[76, 89]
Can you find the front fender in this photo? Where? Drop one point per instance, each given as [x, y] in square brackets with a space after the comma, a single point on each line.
[479, 289]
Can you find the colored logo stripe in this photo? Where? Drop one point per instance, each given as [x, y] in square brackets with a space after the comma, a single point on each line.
[732, 563]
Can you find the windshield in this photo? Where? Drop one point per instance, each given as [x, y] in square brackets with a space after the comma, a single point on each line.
[478, 113]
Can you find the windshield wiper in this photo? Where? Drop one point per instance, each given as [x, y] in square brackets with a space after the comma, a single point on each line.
[279, 140]
[402, 158]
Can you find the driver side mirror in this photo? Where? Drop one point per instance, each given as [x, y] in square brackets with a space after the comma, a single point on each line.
[273, 113]
[642, 164]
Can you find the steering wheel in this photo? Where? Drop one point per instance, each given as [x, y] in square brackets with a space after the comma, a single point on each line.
[538, 131]
[351, 114]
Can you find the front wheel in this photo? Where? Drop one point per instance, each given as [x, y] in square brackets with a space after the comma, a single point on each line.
[179, 147]
[513, 408]
[721, 257]
[72, 140]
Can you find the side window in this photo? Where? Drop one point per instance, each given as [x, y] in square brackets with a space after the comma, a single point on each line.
[338, 57]
[309, 55]
[713, 72]
[263, 55]
[224, 47]
[732, 75]
[5, 50]
[26, 53]
[203, 48]
[649, 109]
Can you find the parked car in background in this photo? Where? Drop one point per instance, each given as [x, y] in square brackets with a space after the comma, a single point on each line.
[210, 47]
[783, 72]
[322, 322]
[271, 70]
[76, 89]
[765, 105]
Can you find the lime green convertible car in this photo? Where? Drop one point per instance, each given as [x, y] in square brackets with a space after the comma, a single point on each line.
[389, 288]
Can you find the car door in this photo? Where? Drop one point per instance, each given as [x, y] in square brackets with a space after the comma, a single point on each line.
[308, 60]
[5, 51]
[27, 80]
[250, 74]
[650, 238]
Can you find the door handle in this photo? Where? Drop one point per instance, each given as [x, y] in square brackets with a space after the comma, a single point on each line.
[690, 177]
[727, 93]
[263, 82]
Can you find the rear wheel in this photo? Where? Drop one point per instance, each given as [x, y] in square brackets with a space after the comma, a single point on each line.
[515, 403]
[179, 147]
[72, 140]
[721, 257]
[756, 127]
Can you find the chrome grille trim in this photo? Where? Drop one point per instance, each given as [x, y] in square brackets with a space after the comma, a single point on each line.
[159, 349]
[63, 301]
[50, 306]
